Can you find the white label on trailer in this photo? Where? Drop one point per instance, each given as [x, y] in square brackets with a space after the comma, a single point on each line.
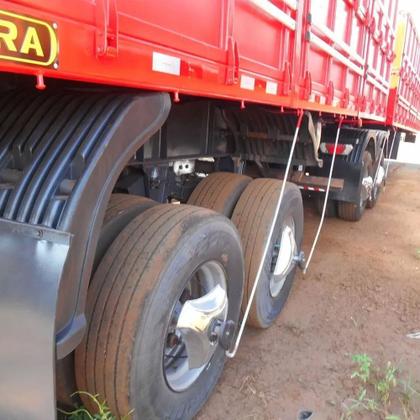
[166, 64]
[247, 82]
[271, 88]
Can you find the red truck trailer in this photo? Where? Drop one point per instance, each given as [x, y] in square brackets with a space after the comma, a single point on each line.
[404, 95]
[151, 156]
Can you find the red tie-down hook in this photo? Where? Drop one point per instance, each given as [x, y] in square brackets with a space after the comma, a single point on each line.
[40, 85]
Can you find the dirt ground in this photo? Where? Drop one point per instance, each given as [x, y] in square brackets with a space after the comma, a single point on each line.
[361, 295]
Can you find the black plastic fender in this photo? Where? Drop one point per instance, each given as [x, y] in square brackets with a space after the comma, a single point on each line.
[60, 156]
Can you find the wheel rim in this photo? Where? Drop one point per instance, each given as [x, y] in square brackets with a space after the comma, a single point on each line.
[204, 293]
[367, 185]
[378, 184]
[283, 257]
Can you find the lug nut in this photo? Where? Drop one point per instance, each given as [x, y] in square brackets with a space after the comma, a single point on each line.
[172, 340]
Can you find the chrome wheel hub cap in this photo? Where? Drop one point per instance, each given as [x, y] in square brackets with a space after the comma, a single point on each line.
[367, 186]
[284, 257]
[195, 324]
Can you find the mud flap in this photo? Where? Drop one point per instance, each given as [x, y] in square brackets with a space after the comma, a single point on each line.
[31, 261]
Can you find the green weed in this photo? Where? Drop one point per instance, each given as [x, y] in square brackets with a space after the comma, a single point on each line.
[102, 413]
[364, 364]
[383, 393]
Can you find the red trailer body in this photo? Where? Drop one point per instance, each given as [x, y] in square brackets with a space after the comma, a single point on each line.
[104, 279]
[328, 56]
[404, 96]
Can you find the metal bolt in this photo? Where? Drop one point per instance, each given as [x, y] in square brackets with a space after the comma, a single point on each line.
[172, 340]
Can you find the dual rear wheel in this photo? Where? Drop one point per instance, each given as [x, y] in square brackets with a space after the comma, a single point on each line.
[168, 290]
[369, 188]
[253, 213]
[354, 211]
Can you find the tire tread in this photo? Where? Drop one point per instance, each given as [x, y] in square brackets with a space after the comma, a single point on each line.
[219, 191]
[120, 202]
[110, 303]
[253, 217]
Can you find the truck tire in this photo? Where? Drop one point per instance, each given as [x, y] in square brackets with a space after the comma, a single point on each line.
[353, 212]
[138, 290]
[330, 211]
[253, 216]
[122, 208]
[219, 191]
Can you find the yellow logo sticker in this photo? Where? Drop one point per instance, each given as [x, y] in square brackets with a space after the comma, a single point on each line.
[27, 40]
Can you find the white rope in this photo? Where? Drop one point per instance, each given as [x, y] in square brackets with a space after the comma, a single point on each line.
[327, 192]
[232, 353]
